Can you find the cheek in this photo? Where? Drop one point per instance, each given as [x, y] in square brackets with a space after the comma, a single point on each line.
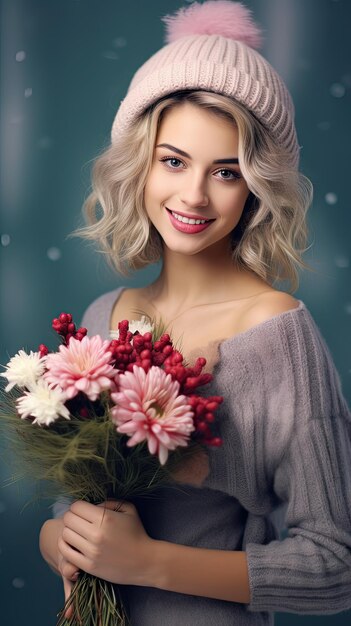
[147, 190]
[233, 206]
[160, 187]
[156, 185]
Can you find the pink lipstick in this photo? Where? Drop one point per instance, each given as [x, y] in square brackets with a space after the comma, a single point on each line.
[191, 229]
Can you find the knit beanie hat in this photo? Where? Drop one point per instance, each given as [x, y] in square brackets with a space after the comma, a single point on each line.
[210, 47]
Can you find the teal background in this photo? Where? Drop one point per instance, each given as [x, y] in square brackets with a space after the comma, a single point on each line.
[65, 66]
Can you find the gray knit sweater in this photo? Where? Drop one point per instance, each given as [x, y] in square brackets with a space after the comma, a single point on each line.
[287, 447]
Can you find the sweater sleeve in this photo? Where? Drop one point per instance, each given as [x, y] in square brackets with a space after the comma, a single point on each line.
[309, 571]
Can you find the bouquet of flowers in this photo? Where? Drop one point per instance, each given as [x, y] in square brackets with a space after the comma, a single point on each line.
[105, 419]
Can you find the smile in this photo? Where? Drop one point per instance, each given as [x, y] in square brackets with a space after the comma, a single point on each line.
[186, 220]
[188, 224]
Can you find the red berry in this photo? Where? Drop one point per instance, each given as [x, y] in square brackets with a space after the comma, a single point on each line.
[216, 441]
[212, 406]
[209, 417]
[145, 354]
[63, 318]
[43, 350]
[202, 427]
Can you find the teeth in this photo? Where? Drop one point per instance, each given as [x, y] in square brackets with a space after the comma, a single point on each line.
[186, 220]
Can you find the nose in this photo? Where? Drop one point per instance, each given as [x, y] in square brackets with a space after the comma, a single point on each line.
[194, 194]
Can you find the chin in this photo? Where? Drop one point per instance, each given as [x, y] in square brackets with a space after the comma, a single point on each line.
[182, 250]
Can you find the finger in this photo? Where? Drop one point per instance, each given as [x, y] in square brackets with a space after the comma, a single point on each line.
[85, 510]
[68, 570]
[78, 524]
[75, 540]
[69, 612]
[71, 555]
[114, 505]
[119, 506]
[67, 587]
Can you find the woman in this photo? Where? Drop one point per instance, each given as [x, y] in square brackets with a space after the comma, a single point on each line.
[202, 173]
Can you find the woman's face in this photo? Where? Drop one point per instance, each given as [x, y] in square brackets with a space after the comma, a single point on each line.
[196, 176]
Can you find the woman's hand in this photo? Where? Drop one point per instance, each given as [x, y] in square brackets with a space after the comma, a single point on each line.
[69, 575]
[48, 542]
[107, 540]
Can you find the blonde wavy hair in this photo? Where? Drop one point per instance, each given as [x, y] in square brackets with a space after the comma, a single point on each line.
[270, 237]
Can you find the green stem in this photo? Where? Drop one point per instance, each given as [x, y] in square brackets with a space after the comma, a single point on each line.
[94, 603]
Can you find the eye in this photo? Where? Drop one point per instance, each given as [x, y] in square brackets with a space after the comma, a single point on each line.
[171, 163]
[234, 175]
[173, 159]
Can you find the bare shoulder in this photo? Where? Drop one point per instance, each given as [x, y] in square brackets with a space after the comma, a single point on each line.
[124, 307]
[270, 304]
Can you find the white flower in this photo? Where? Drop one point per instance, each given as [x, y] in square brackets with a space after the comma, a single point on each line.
[142, 326]
[24, 369]
[43, 402]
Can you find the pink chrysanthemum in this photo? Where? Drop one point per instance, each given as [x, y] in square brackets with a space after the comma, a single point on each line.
[148, 407]
[82, 366]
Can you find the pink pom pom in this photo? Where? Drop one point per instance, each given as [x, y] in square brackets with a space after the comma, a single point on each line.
[214, 17]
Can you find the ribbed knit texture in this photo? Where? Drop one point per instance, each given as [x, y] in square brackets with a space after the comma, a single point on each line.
[287, 447]
[213, 63]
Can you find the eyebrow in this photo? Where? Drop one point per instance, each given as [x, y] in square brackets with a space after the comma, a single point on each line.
[185, 154]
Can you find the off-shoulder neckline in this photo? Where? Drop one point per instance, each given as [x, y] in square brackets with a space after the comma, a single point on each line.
[238, 336]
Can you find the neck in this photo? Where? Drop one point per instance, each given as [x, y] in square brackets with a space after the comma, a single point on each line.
[208, 276]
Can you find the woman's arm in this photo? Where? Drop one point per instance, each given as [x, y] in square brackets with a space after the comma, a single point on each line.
[113, 545]
[219, 574]
[48, 538]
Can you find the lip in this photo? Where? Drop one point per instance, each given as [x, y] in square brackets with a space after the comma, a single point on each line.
[190, 229]
[190, 216]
